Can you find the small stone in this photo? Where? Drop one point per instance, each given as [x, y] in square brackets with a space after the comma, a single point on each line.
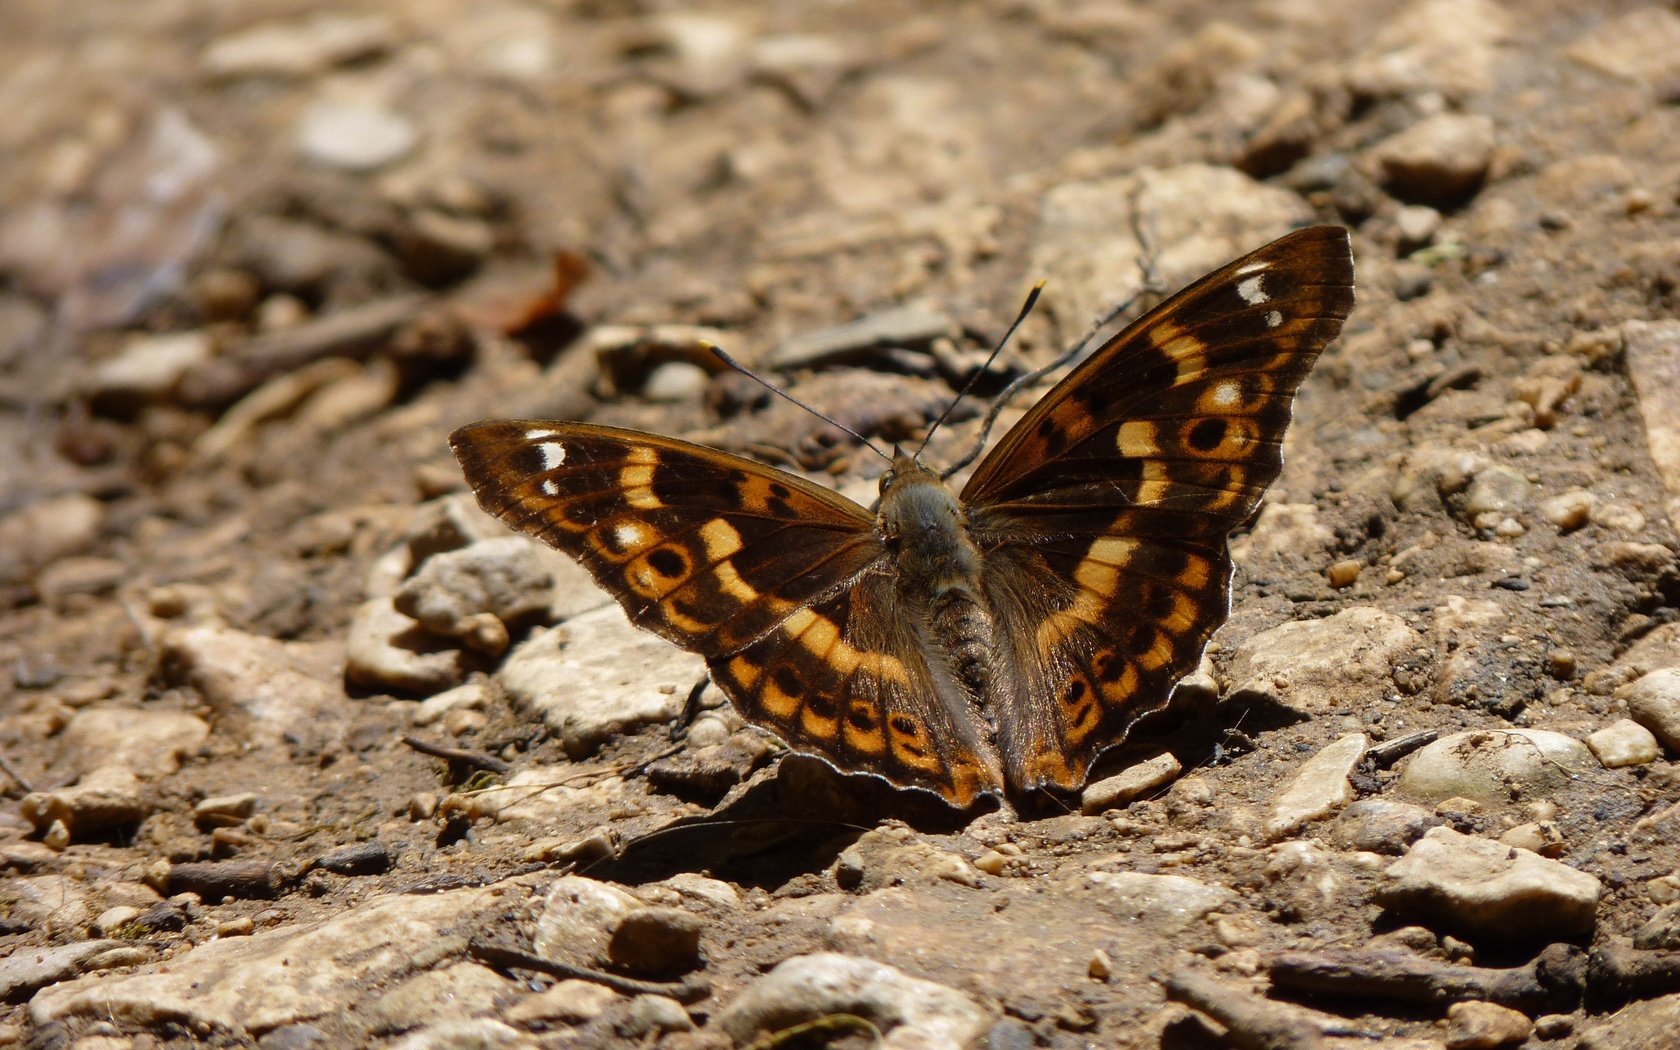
[111, 921]
[1101, 967]
[1537, 836]
[647, 1016]
[1162, 903]
[1117, 791]
[1483, 888]
[1318, 788]
[106, 799]
[354, 136]
[1485, 1026]
[223, 811]
[1624, 742]
[437, 247]
[1661, 932]
[596, 677]
[42, 532]
[146, 370]
[387, 650]
[1654, 702]
[572, 1002]
[1417, 225]
[991, 862]
[1440, 159]
[1343, 573]
[656, 941]
[1554, 1026]
[1620, 517]
[1379, 825]
[473, 696]
[508, 578]
[578, 919]
[298, 48]
[676, 381]
[1561, 664]
[1497, 490]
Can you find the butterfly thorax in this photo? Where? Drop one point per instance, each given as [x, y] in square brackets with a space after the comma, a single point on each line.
[925, 530]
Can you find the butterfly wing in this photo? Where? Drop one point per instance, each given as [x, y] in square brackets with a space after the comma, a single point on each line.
[851, 679]
[776, 581]
[707, 550]
[1104, 512]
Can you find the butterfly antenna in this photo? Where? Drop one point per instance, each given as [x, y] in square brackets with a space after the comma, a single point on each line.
[1146, 268]
[718, 351]
[1026, 308]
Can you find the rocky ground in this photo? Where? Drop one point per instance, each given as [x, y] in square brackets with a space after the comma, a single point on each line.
[301, 749]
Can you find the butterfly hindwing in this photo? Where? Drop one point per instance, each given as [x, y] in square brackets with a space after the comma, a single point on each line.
[854, 679]
[1109, 504]
[703, 548]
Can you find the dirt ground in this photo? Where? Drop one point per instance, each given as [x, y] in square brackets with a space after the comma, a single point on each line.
[258, 260]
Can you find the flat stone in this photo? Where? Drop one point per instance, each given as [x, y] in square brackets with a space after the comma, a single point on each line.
[912, 1014]
[152, 743]
[1483, 888]
[354, 136]
[1117, 791]
[27, 969]
[1334, 664]
[298, 48]
[276, 688]
[1652, 354]
[1319, 788]
[567, 1002]
[1164, 903]
[596, 677]
[247, 985]
[1642, 45]
[904, 327]
[1380, 825]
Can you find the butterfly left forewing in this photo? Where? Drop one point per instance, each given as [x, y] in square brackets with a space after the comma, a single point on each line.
[1107, 508]
[703, 548]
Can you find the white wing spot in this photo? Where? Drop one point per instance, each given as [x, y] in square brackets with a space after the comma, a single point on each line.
[540, 434]
[628, 535]
[1274, 318]
[1251, 291]
[1226, 395]
[553, 454]
[550, 487]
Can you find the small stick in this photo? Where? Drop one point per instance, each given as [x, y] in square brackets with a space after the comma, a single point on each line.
[690, 989]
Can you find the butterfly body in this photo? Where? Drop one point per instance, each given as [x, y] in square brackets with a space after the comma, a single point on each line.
[995, 640]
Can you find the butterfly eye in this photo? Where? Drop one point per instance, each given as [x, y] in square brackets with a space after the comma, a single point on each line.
[887, 480]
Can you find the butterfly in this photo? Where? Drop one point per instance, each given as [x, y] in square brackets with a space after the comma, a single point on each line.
[993, 641]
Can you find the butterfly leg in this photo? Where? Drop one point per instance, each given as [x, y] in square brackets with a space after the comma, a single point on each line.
[691, 709]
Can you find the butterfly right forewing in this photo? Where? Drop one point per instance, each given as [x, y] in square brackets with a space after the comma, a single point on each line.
[1105, 512]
